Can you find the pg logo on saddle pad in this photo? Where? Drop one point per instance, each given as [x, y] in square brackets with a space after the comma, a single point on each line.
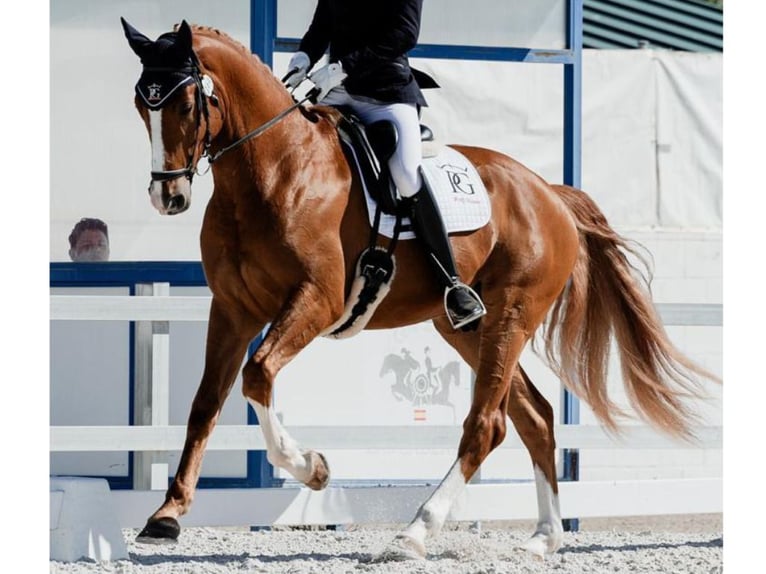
[459, 192]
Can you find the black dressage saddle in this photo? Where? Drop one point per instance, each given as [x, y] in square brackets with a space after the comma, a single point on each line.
[372, 146]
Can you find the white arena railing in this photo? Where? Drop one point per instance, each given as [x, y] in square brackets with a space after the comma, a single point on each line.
[349, 504]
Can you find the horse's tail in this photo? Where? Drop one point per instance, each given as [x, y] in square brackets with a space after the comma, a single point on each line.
[607, 296]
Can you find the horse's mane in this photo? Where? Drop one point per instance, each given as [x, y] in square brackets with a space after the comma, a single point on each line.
[328, 113]
[215, 33]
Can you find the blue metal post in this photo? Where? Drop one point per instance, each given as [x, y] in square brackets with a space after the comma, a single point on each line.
[573, 98]
[260, 472]
[263, 29]
[572, 176]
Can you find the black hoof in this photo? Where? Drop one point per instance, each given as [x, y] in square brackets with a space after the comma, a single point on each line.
[160, 531]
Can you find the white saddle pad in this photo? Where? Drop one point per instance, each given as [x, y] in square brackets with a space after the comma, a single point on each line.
[459, 192]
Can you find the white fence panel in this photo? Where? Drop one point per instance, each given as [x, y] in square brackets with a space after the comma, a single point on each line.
[244, 437]
[344, 505]
[301, 506]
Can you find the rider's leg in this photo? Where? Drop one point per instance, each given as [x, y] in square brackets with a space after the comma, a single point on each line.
[462, 303]
[405, 162]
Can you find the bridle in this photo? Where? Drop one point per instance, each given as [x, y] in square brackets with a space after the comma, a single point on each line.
[201, 110]
[203, 93]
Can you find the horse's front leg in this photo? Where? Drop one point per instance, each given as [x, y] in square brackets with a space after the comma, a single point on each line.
[309, 312]
[227, 342]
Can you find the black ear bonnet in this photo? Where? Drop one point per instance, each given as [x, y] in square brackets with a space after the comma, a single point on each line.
[169, 63]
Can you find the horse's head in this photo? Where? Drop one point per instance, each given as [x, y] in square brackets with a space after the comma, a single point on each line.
[173, 97]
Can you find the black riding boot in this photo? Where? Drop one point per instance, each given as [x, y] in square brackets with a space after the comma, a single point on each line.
[462, 303]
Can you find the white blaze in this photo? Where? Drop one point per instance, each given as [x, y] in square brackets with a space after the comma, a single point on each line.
[158, 156]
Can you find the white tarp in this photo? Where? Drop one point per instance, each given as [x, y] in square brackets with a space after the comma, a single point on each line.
[689, 135]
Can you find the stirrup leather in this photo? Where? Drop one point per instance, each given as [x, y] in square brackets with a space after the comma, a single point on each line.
[459, 322]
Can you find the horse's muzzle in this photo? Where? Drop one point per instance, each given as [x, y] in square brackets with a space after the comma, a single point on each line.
[170, 197]
[177, 204]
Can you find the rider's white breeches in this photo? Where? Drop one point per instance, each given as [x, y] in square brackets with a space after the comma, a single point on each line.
[408, 156]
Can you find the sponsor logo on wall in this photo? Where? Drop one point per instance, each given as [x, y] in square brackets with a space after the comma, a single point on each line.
[420, 383]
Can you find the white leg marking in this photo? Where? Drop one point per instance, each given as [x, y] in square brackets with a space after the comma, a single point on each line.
[410, 543]
[549, 533]
[281, 450]
[158, 156]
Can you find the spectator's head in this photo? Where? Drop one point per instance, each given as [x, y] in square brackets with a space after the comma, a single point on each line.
[89, 240]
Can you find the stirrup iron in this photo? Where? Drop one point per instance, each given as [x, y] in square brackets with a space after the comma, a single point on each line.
[460, 322]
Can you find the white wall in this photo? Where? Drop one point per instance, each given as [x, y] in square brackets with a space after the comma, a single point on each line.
[498, 23]
[651, 159]
[651, 154]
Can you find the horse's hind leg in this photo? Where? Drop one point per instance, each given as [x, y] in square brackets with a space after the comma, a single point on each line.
[502, 339]
[532, 416]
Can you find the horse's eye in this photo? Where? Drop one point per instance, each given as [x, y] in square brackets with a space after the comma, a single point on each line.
[186, 108]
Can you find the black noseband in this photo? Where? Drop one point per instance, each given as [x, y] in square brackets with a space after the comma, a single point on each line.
[160, 176]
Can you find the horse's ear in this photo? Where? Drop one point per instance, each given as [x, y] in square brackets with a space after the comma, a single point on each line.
[184, 38]
[138, 42]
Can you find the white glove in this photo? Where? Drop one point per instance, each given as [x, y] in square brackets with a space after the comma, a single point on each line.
[299, 65]
[328, 77]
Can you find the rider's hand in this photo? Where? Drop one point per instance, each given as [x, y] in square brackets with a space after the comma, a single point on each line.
[328, 77]
[297, 69]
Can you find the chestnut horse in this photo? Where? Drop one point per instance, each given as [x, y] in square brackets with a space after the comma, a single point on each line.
[280, 239]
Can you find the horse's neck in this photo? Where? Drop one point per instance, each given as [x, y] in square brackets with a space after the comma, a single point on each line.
[272, 163]
[253, 101]
[252, 97]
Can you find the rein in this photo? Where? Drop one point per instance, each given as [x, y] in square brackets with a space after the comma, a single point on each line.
[262, 128]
